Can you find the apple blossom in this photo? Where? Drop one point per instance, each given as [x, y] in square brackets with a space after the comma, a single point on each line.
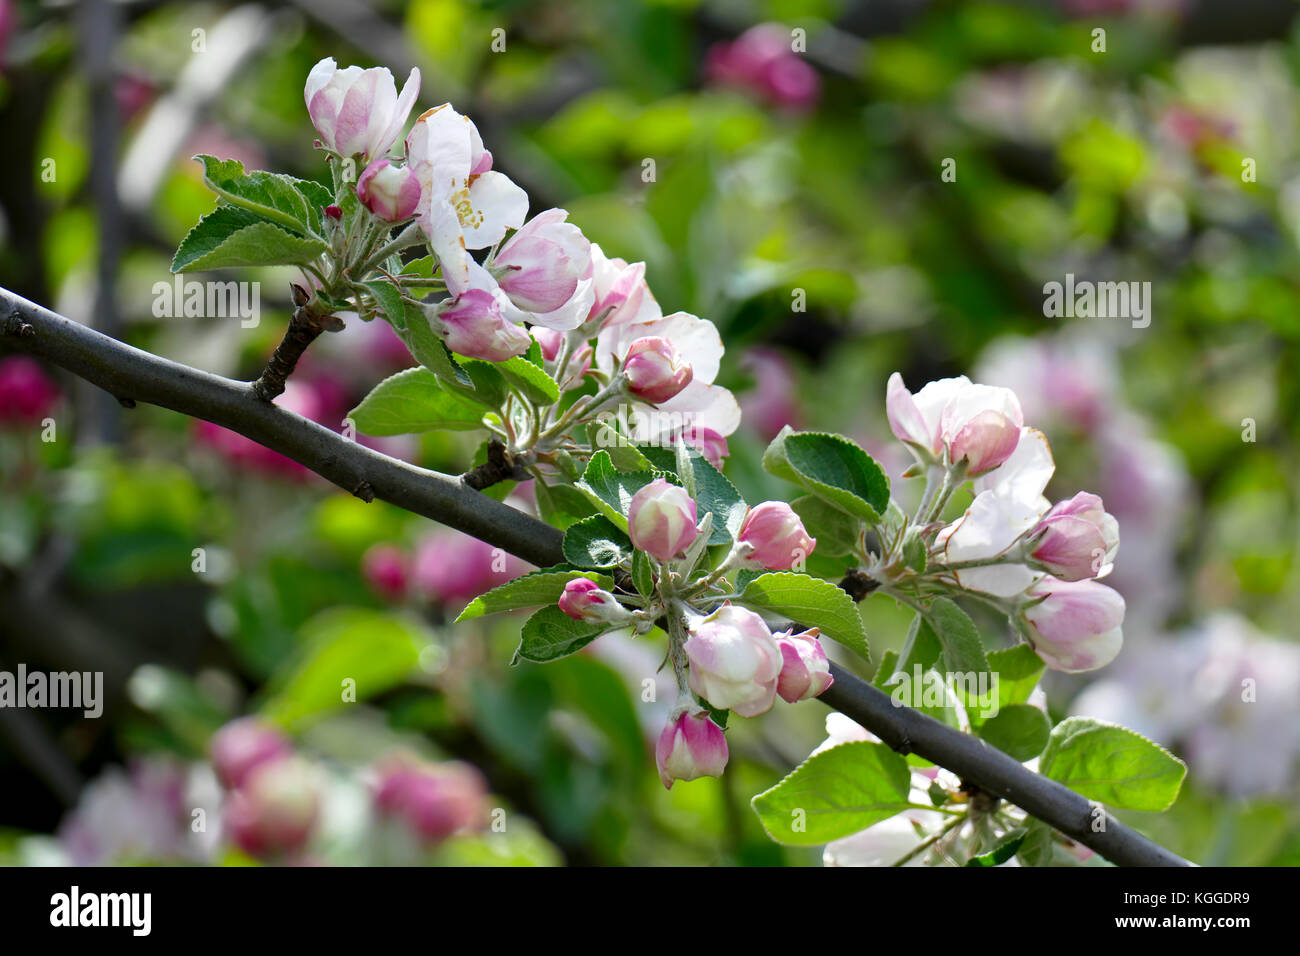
[655, 369]
[1076, 539]
[275, 810]
[434, 801]
[775, 537]
[735, 661]
[689, 747]
[356, 111]
[386, 569]
[805, 669]
[243, 745]
[464, 203]
[661, 520]
[540, 266]
[27, 394]
[390, 192]
[1077, 624]
[584, 600]
[707, 442]
[976, 424]
[474, 325]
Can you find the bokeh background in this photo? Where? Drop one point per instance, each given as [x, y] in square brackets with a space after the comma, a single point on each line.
[794, 198]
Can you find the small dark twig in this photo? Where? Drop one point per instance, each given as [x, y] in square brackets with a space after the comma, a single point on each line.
[500, 466]
[306, 324]
[857, 584]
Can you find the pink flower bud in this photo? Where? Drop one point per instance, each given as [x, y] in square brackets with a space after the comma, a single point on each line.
[776, 535]
[434, 801]
[1076, 540]
[708, 442]
[549, 340]
[540, 265]
[27, 394]
[690, 747]
[334, 212]
[1077, 627]
[358, 111]
[274, 812]
[984, 442]
[735, 661]
[661, 520]
[655, 370]
[583, 600]
[805, 671]
[386, 569]
[473, 325]
[243, 745]
[390, 192]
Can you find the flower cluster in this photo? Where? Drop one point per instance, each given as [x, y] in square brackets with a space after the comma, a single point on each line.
[1033, 560]
[499, 285]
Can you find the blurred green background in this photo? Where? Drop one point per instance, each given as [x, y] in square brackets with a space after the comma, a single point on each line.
[798, 200]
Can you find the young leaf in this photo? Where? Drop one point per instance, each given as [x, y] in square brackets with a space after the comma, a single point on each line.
[888, 663]
[1005, 850]
[963, 651]
[1019, 730]
[430, 352]
[1037, 848]
[596, 543]
[836, 532]
[413, 401]
[551, 634]
[532, 382]
[230, 238]
[529, 590]
[714, 492]
[624, 455]
[811, 602]
[831, 467]
[1018, 669]
[835, 793]
[1112, 764]
[643, 576]
[921, 647]
[292, 203]
[561, 505]
[611, 490]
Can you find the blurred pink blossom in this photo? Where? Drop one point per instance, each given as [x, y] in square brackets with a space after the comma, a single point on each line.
[762, 61]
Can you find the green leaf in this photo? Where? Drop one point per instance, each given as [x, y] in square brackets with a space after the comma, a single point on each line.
[963, 651]
[372, 650]
[551, 634]
[413, 401]
[1019, 730]
[1112, 764]
[914, 552]
[489, 381]
[292, 203]
[811, 602]
[624, 455]
[1018, 669]
[831, 467]
[529, 590]
[836, 532]
[1004, 851]
[643, 576]
[596, 543]
[1037, 848]
[391, 303]
[531, 382]
[611, 490]
[921, 647]
[430, 351]
[561, 505]
[714, 493]
[835, 793]
[230, 238]
[888, 662]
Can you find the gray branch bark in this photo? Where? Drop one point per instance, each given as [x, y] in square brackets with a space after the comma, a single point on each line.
[132, 375]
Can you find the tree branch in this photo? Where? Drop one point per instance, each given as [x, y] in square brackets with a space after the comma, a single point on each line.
[129, 373]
